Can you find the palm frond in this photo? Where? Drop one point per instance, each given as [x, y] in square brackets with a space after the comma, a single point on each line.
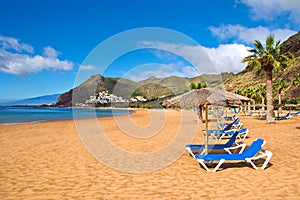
[259, 46]
[270, 41]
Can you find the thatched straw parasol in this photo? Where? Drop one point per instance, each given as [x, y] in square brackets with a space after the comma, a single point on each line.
[211, 96]
[201, 98]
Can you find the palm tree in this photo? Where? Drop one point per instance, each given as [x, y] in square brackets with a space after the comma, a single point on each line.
[280, 85]
[255, 96]
[267, 58]
[248, 93]
[238, 92]
[261, 90]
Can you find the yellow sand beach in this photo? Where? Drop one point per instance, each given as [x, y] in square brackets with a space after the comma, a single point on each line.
[49, 161]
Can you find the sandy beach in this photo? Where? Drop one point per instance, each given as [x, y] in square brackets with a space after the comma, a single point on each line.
[49, 161]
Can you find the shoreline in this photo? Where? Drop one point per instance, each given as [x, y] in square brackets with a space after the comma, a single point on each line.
[131, 111]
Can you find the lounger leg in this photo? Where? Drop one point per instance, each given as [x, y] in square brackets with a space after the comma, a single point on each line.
[203, 164]
[243, 148]
[245, 135]
[269, 155]
[215, 136]
[202, 152]
[263, 153]
[218, 165]
[190, 151]
[206, 168]
[221, 136]
[253, 165]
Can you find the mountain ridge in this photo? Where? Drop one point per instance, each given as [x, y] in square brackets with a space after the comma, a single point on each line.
[154, 88]
[151, 88]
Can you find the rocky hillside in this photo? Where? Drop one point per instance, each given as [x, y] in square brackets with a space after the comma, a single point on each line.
[152, 88]
[252, 79]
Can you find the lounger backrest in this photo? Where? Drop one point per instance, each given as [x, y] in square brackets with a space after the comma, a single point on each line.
[236, 121]
[229, 126]
[231, 140]
[255, 147]
[243, 130]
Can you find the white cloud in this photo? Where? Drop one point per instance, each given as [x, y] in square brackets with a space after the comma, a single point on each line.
[225, 58]
[87, 67]
[22, 64]
[14, 61]
[13, 43]
[50, 52]
[243, 34]
[270, 9]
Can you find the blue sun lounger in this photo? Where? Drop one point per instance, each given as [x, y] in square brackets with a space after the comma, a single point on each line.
[261, 116]
[296, 114]
[249, 114]
[227, 126]
[219, 134]
[287, 116]
[230, 145]
[230, 117]
[254, 152]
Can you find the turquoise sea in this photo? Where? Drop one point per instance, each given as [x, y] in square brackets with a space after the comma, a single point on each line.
[17, 115]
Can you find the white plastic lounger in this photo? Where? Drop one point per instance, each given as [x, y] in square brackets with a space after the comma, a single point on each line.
[219, 134]
[254, 152]
[231, 145]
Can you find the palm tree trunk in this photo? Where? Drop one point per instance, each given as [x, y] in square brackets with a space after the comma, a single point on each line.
[270, 106]
[279, 102]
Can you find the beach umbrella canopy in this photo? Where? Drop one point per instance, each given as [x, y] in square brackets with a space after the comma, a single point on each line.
[201, 98]
[210, 96]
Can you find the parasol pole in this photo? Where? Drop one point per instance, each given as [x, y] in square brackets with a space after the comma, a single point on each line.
[206, 129]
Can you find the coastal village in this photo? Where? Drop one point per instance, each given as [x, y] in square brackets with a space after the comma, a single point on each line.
[104, 97]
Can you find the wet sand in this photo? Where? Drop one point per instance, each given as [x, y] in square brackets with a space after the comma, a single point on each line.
[49, 161]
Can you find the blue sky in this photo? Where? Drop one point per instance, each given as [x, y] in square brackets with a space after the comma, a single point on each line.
[48, 46]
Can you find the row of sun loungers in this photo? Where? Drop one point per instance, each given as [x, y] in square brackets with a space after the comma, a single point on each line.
[249, 114]
[220, 134]
[287, 116]
[229, 129]
[233, 150]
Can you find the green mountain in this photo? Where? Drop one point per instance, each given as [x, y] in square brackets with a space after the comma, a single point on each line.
[152, 88]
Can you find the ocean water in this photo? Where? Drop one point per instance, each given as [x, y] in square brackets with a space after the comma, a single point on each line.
[17, 115]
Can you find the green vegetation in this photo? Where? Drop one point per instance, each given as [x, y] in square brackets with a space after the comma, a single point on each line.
[198, 85]
[267, 59]
[280, 85]
[296, 80]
